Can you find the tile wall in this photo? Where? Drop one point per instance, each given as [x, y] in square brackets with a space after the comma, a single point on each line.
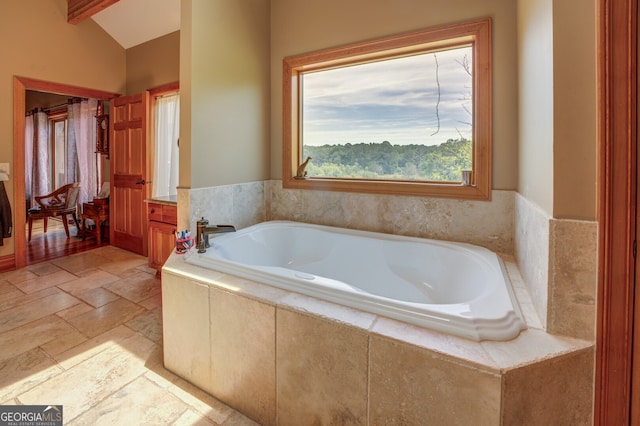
[558, 260]
[240, 205]
[487, 224]
[573, 278]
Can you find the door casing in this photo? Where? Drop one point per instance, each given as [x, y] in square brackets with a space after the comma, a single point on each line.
[20, 87]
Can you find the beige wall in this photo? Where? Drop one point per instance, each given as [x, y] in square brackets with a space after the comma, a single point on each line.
[184, 169]
[38, 43]
[535, 101]
[557, 106]
[299, 26]
[574, 109]
[224, 75]
[154, 63]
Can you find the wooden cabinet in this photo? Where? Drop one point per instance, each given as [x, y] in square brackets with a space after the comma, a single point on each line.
[162, 227]
[99, 214]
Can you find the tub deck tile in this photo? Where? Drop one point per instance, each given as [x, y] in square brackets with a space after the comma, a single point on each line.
[323, 309]
[530, 347]
[467, 351]
[252, 289]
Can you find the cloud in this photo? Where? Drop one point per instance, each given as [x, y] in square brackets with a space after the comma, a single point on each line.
[394, 100]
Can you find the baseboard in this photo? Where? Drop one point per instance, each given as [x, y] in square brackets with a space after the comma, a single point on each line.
[8, 262]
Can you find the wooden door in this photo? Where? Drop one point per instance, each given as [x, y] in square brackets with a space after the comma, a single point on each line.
[128, 155]
[635, 360]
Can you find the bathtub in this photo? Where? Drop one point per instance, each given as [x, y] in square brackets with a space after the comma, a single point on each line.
[454, 288]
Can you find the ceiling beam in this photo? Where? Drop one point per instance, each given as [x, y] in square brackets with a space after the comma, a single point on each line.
[79, 10]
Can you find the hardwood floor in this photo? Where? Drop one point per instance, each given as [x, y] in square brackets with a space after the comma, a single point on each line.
[54, 243]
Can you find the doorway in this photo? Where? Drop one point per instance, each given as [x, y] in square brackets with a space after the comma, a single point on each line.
[20, 87]
[63, 131]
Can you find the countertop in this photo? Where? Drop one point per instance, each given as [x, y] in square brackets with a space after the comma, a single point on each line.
[171, 200]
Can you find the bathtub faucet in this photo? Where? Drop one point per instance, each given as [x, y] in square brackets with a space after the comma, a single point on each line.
[203, 231]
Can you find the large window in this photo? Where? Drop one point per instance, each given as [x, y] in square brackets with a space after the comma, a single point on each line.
[408, 114]
[59, 142]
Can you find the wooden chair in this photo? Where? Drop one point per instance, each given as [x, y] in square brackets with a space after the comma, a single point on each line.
[61, 202]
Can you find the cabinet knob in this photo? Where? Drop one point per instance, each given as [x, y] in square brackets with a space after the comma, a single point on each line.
[153, 211]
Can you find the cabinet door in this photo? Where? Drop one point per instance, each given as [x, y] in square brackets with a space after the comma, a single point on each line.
[161, 243]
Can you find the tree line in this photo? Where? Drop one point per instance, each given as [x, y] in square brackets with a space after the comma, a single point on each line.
[442, 162]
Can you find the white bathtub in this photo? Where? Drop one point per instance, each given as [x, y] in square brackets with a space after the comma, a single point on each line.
[455, 288]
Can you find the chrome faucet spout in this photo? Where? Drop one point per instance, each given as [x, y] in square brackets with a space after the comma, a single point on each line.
[203, 232]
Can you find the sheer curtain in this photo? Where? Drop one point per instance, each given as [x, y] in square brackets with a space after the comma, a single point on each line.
[167, 131]
[28, 159]
[40, 154]
[81, 156]
[70, 169]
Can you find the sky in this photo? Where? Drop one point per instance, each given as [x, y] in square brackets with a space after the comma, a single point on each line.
[393, 100]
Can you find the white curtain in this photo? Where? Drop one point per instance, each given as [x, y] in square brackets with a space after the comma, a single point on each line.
[81, 137]
[41, 170]
[28, 159]
[167, 131]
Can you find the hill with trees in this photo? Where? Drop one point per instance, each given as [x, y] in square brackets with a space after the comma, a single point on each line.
[442, 162]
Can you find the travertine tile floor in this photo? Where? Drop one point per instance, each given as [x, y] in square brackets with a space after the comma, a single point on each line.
[85, 331]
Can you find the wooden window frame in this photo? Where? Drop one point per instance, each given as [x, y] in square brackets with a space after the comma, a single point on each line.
[477, 33]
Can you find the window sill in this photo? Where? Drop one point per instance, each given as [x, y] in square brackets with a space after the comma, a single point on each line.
[440, 190]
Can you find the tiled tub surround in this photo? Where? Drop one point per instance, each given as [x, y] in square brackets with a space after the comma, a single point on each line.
[558, 260]
[557, 257]
[283, 358]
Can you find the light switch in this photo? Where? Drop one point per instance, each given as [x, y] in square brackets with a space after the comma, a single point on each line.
[4, 168]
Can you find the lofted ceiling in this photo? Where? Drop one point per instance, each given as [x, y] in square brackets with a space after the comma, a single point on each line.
[129, 22]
